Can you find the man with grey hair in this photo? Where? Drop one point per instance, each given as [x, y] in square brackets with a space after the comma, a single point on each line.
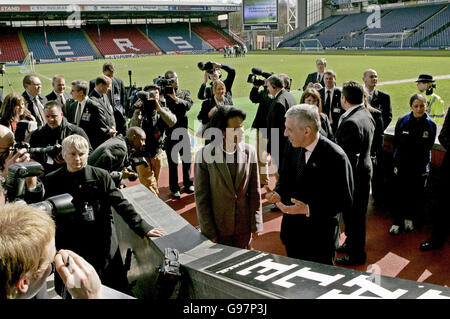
[316, 79]
[35, 101]
[310, 225]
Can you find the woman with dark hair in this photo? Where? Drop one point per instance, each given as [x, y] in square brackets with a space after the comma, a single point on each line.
[414, 137]
[13, 110]
[312, 97]
[227, 188]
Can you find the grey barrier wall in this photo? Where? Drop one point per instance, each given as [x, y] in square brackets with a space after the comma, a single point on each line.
[214, 271]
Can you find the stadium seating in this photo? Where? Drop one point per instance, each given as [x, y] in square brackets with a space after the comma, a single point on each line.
[11, 49]
[174, 37]
[210, 35]
[335, 31]
[61, 43]
[292, 39]
[120, 39]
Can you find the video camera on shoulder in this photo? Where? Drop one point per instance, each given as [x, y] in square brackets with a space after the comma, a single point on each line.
[208, 67]
[165, 84]
[15, 184]
[24, 129]
[148, 102]
[252, 78]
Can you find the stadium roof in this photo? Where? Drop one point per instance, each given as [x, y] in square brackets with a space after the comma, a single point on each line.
[119, 9]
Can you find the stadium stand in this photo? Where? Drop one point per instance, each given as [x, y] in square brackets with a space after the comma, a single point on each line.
[10, 46]
[430, 23]
[174, 37]
[61, 43]
[292, 38]
[120, 39]
[211, 36]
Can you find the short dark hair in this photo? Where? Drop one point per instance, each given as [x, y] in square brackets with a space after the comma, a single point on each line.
[102, 79]
[152, 87]
[51, 104]
[81, 86]
[275, 81]
[223, 114]
[417, 96]
[169, 74]
[109, 66]
[353, 92]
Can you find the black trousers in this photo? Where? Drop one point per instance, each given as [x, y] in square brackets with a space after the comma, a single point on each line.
[182, 147]
[355, 220]
[378, 186]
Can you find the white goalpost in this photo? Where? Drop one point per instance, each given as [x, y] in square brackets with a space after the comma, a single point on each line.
[308, 45]
[27, 66]
[383, 38]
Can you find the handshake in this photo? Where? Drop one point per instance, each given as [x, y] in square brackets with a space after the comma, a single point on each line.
[299, 207]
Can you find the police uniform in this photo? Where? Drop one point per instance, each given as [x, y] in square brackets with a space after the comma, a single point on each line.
[435, 108]
[413, 141]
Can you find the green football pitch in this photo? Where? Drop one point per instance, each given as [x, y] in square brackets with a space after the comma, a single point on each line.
[348, 65]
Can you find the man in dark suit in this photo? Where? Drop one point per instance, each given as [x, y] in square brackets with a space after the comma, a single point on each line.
[282, 101]
[34, 100]
[310, 225]
[315, 80]
[331, 99]
[52, 133]
[89, 114]
[58, 94]
[179, 103]
[381, 101]
[355, 134]
[116, 96]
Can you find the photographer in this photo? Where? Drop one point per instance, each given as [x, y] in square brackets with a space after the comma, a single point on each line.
[179, 103]
[155, 119]
[28, 257]
[52, 134]
[9, 155]
[125, 155]
[260, 121]
[90, 230]
[213, 72]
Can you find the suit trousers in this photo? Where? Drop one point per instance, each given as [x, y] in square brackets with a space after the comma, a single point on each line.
[243, 241]
[355, 220]
[172, 160]
[261, 144]
[378, 186]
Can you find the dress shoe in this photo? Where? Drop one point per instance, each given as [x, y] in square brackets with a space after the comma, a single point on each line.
[189, 190]
[409, 226]
[431, 244]
[176, 195]
[351, 260]
[394, 230]
[342, 248]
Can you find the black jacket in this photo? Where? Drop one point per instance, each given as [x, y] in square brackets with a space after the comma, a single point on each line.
[207, 92]
[45, 136]
[335, 109]
[261, 97]
[312, 77]
[53, 97]
[31, 107]
[382, 101]
[180, 109]
[96, 239]
[316, 234]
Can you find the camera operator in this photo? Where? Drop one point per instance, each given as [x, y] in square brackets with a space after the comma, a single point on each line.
[52, 134]
[28, 257]
[213, 72]
[90, 231]
[179, 103]
[125, 155]
[155, 119]
[260, 121]
[10, 155]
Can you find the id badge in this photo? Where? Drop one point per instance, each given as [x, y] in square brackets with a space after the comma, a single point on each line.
[336, 110]
[116, 97]
[88, 213]
[86, 117]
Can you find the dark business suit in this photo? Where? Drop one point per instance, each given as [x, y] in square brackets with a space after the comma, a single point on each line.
[96, 122]
[54, 97]
[276, 120]
[335, 110]
[315, 238]
[382, 101]
[33, 108]
[355, 135]
[117, 98]
[312, 77]
[376, 154]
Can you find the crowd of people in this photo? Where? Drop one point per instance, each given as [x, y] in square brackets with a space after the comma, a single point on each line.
[325, 151]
